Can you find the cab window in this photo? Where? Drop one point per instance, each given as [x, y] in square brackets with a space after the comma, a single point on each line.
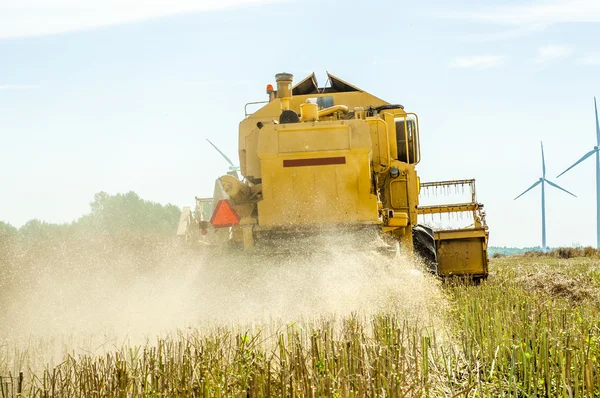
[407, 139]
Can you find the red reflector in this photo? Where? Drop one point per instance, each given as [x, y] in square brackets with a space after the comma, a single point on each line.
[224, 215]
[204, 232]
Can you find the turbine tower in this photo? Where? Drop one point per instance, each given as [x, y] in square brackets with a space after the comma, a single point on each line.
[542, 181]
[584, 157]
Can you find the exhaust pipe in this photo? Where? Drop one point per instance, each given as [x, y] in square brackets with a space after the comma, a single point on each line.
[284, 89]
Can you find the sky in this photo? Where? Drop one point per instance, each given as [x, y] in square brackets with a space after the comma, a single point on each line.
[121, 95]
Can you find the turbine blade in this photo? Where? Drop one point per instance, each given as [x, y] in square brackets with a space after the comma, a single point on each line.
[222, 154]
[543, 161]
[584, 157]
[556, 186]
[529, 189]
[597, 124]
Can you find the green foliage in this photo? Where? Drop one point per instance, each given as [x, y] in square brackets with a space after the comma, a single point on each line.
[511, 251]
[7, 229]
[120, 215]
[532, 329]
[561, 252]
[8, 234]
[40, 230]
[124, 214]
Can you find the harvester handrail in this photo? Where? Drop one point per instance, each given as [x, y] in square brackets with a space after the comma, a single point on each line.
[387, 142]
[252, 103]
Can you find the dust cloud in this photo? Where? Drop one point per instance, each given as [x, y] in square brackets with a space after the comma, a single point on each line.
[198, 288]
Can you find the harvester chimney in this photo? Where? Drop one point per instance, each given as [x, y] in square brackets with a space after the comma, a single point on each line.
[284, 89]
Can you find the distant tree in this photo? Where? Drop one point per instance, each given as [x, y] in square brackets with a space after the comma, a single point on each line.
[40, 230]
[7, 229]
[511, 251]
[110, 215]
[128, 213]
[8, 235]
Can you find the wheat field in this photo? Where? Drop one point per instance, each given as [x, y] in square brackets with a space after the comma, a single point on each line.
[363, 326]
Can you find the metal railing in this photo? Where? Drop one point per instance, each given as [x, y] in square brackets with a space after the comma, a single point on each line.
[252, 103]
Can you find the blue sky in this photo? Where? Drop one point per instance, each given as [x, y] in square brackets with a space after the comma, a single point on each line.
[121, 95]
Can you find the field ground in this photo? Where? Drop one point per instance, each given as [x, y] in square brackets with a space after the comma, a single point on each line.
[532, 329]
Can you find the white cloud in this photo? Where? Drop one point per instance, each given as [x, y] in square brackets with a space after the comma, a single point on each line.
[550, 53]
[546, 12]
[19, 86]
[41, 17]
[589, 59]
[476, 62]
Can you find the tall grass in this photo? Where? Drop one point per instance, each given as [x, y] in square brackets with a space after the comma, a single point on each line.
[564, 252]
[533, 329]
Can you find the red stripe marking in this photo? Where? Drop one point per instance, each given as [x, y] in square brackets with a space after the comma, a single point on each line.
[314, 161]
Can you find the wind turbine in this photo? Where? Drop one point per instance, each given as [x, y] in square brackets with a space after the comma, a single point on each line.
[233, 169]
[542, 181]
[584, 157]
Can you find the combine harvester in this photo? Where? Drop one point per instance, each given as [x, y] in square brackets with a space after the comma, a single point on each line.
[330, 162]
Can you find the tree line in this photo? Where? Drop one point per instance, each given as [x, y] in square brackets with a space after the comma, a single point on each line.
[110, 215]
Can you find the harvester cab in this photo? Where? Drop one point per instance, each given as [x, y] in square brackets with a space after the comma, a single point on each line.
[336, 159]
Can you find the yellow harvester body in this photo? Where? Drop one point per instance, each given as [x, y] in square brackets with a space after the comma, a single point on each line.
[317, 160]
